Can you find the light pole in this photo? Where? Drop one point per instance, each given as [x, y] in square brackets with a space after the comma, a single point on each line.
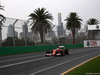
[14, 32]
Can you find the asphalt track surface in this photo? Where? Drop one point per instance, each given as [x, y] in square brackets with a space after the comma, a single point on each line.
[38, 64]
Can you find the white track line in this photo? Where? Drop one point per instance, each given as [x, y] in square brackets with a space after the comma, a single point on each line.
[59, 64]
[21, 58]
[23, 62]
[80, 51]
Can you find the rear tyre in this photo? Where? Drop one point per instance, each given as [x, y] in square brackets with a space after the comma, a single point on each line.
[66, 52]
[61, 53]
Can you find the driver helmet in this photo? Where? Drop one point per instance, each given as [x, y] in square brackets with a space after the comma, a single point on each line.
[58, 47]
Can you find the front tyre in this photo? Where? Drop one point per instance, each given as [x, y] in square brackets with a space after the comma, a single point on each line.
[48, 53]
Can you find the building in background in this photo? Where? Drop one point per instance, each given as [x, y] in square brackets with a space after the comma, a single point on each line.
[28, 35]
[24, 33]
[60, 29]
[10, 32]
[25, 28]
[51, 34]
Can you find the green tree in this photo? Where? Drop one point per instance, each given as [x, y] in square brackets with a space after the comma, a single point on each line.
[73, 23]
[8, 42]
[41, 21]
[92, 21]
[2, 20]
[19, 42]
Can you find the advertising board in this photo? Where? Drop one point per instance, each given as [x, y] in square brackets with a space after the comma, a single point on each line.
[91, 43]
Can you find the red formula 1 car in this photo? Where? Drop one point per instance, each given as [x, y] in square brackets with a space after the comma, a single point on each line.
[60, 51]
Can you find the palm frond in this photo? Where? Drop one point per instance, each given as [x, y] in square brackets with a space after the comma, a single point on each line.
[92, 21]
[73, 21]
[1, 7]
[2, 20]
[40, 18]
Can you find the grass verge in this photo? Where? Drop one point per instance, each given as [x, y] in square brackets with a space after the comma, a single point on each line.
[90, 68]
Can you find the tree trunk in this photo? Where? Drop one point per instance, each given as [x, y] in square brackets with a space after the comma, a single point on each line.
[73, 32]
[0, 36]
[41, 36]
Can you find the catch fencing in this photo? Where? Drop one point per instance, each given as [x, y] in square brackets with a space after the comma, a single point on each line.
[16, 32]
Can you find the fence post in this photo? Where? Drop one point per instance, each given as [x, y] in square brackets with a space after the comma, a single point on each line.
[26, 32]
[14, 32]
[0, 36]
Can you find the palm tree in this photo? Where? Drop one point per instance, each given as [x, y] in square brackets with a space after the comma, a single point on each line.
[92, 21]
[41, 21]
[2, 20]
[73, 23]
